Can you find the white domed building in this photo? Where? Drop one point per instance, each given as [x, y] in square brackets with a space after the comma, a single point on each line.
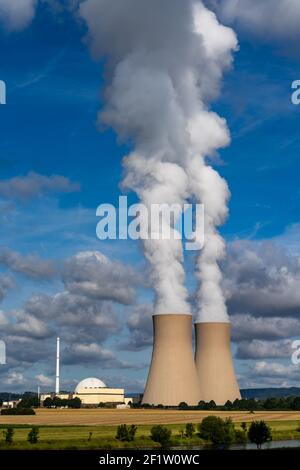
[89, 384]
[93, 391]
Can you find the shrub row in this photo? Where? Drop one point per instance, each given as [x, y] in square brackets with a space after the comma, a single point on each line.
[18, 411]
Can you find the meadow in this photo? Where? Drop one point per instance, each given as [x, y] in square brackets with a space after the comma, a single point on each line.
[96, 428]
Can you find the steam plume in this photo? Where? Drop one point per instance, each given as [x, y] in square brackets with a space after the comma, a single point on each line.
[165, 60]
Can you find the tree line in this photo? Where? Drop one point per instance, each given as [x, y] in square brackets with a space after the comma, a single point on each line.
[62, 402]
[244, 404]
[213, 429]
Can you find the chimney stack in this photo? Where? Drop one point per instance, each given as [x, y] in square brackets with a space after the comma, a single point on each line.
[214, 363]
[57, 368]
[172, 376]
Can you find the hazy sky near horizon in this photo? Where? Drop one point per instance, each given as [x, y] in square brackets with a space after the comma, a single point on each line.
[57, 166]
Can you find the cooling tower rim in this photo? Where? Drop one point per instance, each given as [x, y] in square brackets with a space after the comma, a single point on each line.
[212, 323]
[172, 315]
[196, 322]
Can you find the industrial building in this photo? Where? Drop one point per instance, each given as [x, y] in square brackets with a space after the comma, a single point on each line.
[91, 391]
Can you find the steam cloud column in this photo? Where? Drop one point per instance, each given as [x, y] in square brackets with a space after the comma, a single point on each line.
[214, 363]
[173, 376]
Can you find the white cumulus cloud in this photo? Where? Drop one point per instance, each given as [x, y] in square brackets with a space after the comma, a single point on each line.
[15, 15]
[270, 19]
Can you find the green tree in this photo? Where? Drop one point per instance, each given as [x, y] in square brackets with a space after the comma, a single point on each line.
[57, 402]
[9, 435]
[236, 404]
[211, 429]
[251, 404]
[244, 426]
[271, 403]
[48, 402]
[74, 403]
[132, 432]
[33, 435]
[259, 433]
[183, 405]
[296, 404]
[162, 435]
[283, 404]
[229, 431]
[126, 433]
[216, 430]
[29, 401]
[212, 405]
[201, 405]
[189, 430]
[122, 433]
[240, 436]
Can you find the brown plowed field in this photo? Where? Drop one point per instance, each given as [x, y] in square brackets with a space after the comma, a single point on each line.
[102, 417]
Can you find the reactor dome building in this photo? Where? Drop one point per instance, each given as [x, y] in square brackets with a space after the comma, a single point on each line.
[89, 384]
[93, 391]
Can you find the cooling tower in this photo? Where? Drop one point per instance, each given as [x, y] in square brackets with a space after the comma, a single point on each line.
[214, 363]
[172, 376]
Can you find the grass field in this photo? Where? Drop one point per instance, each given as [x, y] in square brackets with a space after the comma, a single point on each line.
[70, 429]
[77, 437]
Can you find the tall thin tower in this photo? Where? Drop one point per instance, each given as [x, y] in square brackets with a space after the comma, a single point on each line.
[57, 368]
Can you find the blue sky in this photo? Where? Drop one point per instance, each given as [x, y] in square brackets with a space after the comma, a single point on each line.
[48, 127]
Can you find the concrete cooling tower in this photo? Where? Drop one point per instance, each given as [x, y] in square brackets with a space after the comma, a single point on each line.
[214, 363]
[172, 376]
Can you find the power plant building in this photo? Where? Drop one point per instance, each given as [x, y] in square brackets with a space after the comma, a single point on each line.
[93, 391]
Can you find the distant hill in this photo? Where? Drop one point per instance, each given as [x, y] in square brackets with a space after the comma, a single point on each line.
[6, 396]
[259, 393]
[262, 393]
